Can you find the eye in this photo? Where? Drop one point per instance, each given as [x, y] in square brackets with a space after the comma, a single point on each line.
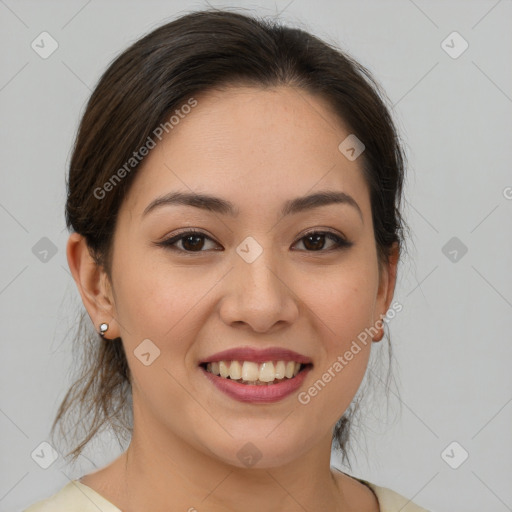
[194, 241]
[191, 241]
[314, 241]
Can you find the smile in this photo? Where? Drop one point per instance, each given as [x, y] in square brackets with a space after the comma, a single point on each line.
[258, 375]
[252, 373]
[257, 382]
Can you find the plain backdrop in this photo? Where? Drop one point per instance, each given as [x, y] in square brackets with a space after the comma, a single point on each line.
[452, 340]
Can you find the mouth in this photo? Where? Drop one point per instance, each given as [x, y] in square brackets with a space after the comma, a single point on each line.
[268, 373]
[257, 383]
[255, 375]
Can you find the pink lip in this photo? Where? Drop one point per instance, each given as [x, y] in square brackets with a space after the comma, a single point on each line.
[253, 393]
[257, 355]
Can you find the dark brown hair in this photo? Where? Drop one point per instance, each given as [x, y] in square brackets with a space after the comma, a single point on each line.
[138, 92]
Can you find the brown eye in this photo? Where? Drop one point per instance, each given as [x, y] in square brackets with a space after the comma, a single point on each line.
[191, 241]
[194, 242]
[315, 241]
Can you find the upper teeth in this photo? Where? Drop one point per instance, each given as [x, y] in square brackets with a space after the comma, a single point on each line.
[252, 372]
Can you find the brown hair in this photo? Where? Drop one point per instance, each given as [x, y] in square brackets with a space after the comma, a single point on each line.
[199, 51]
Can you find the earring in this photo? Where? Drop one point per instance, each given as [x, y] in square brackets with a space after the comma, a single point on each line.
[103, 329]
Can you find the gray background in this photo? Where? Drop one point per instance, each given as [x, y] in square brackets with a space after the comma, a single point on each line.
[452, 340]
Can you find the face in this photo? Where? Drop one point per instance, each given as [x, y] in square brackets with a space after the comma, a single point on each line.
[307, 281]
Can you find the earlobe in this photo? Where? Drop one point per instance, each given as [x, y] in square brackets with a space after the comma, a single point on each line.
[92, 283]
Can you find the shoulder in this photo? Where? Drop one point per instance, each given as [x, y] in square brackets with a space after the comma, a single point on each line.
[391, 501]
[73, 496]
[84, 499]
[388, 500]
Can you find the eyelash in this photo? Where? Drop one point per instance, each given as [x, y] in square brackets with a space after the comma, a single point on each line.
[341, 243]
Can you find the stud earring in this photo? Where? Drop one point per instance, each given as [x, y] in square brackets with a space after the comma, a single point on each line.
[103, 329]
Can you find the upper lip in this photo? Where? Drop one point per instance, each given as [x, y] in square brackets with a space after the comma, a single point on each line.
[257, 355]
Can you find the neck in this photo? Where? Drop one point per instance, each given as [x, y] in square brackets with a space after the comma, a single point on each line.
[159, 470]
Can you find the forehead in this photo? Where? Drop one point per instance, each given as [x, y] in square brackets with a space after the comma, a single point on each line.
[253, 146]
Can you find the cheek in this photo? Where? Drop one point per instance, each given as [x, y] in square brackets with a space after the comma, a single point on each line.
[160, 302]
[157, 299]
[343, 300]
[343, 309]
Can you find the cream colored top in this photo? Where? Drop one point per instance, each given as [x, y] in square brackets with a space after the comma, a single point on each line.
[78, 497]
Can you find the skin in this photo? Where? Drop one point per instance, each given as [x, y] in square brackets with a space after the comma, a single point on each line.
[257, 148]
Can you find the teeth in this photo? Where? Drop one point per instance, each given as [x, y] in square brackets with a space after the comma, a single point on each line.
[250, 371]
[235, 370]
[290, 369]
[267, 372]
[280, 370]
[253, 373]
[223, 369]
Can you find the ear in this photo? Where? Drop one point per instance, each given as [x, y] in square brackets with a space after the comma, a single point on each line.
[386, 290]
[93, 284]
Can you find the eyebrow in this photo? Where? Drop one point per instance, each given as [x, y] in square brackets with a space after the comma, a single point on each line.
[222, 206]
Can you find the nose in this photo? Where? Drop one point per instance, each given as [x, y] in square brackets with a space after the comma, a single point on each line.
[259, 295]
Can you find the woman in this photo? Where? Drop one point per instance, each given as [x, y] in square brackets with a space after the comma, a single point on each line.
[233, 197]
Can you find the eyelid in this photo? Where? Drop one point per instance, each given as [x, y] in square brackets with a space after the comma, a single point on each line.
[322, 230]
[186, 231]
[340, 240]
[168, 242]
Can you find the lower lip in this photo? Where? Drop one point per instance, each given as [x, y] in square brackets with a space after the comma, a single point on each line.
[253, 393]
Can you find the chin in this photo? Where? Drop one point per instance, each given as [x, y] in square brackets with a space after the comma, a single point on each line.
[259, 451]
